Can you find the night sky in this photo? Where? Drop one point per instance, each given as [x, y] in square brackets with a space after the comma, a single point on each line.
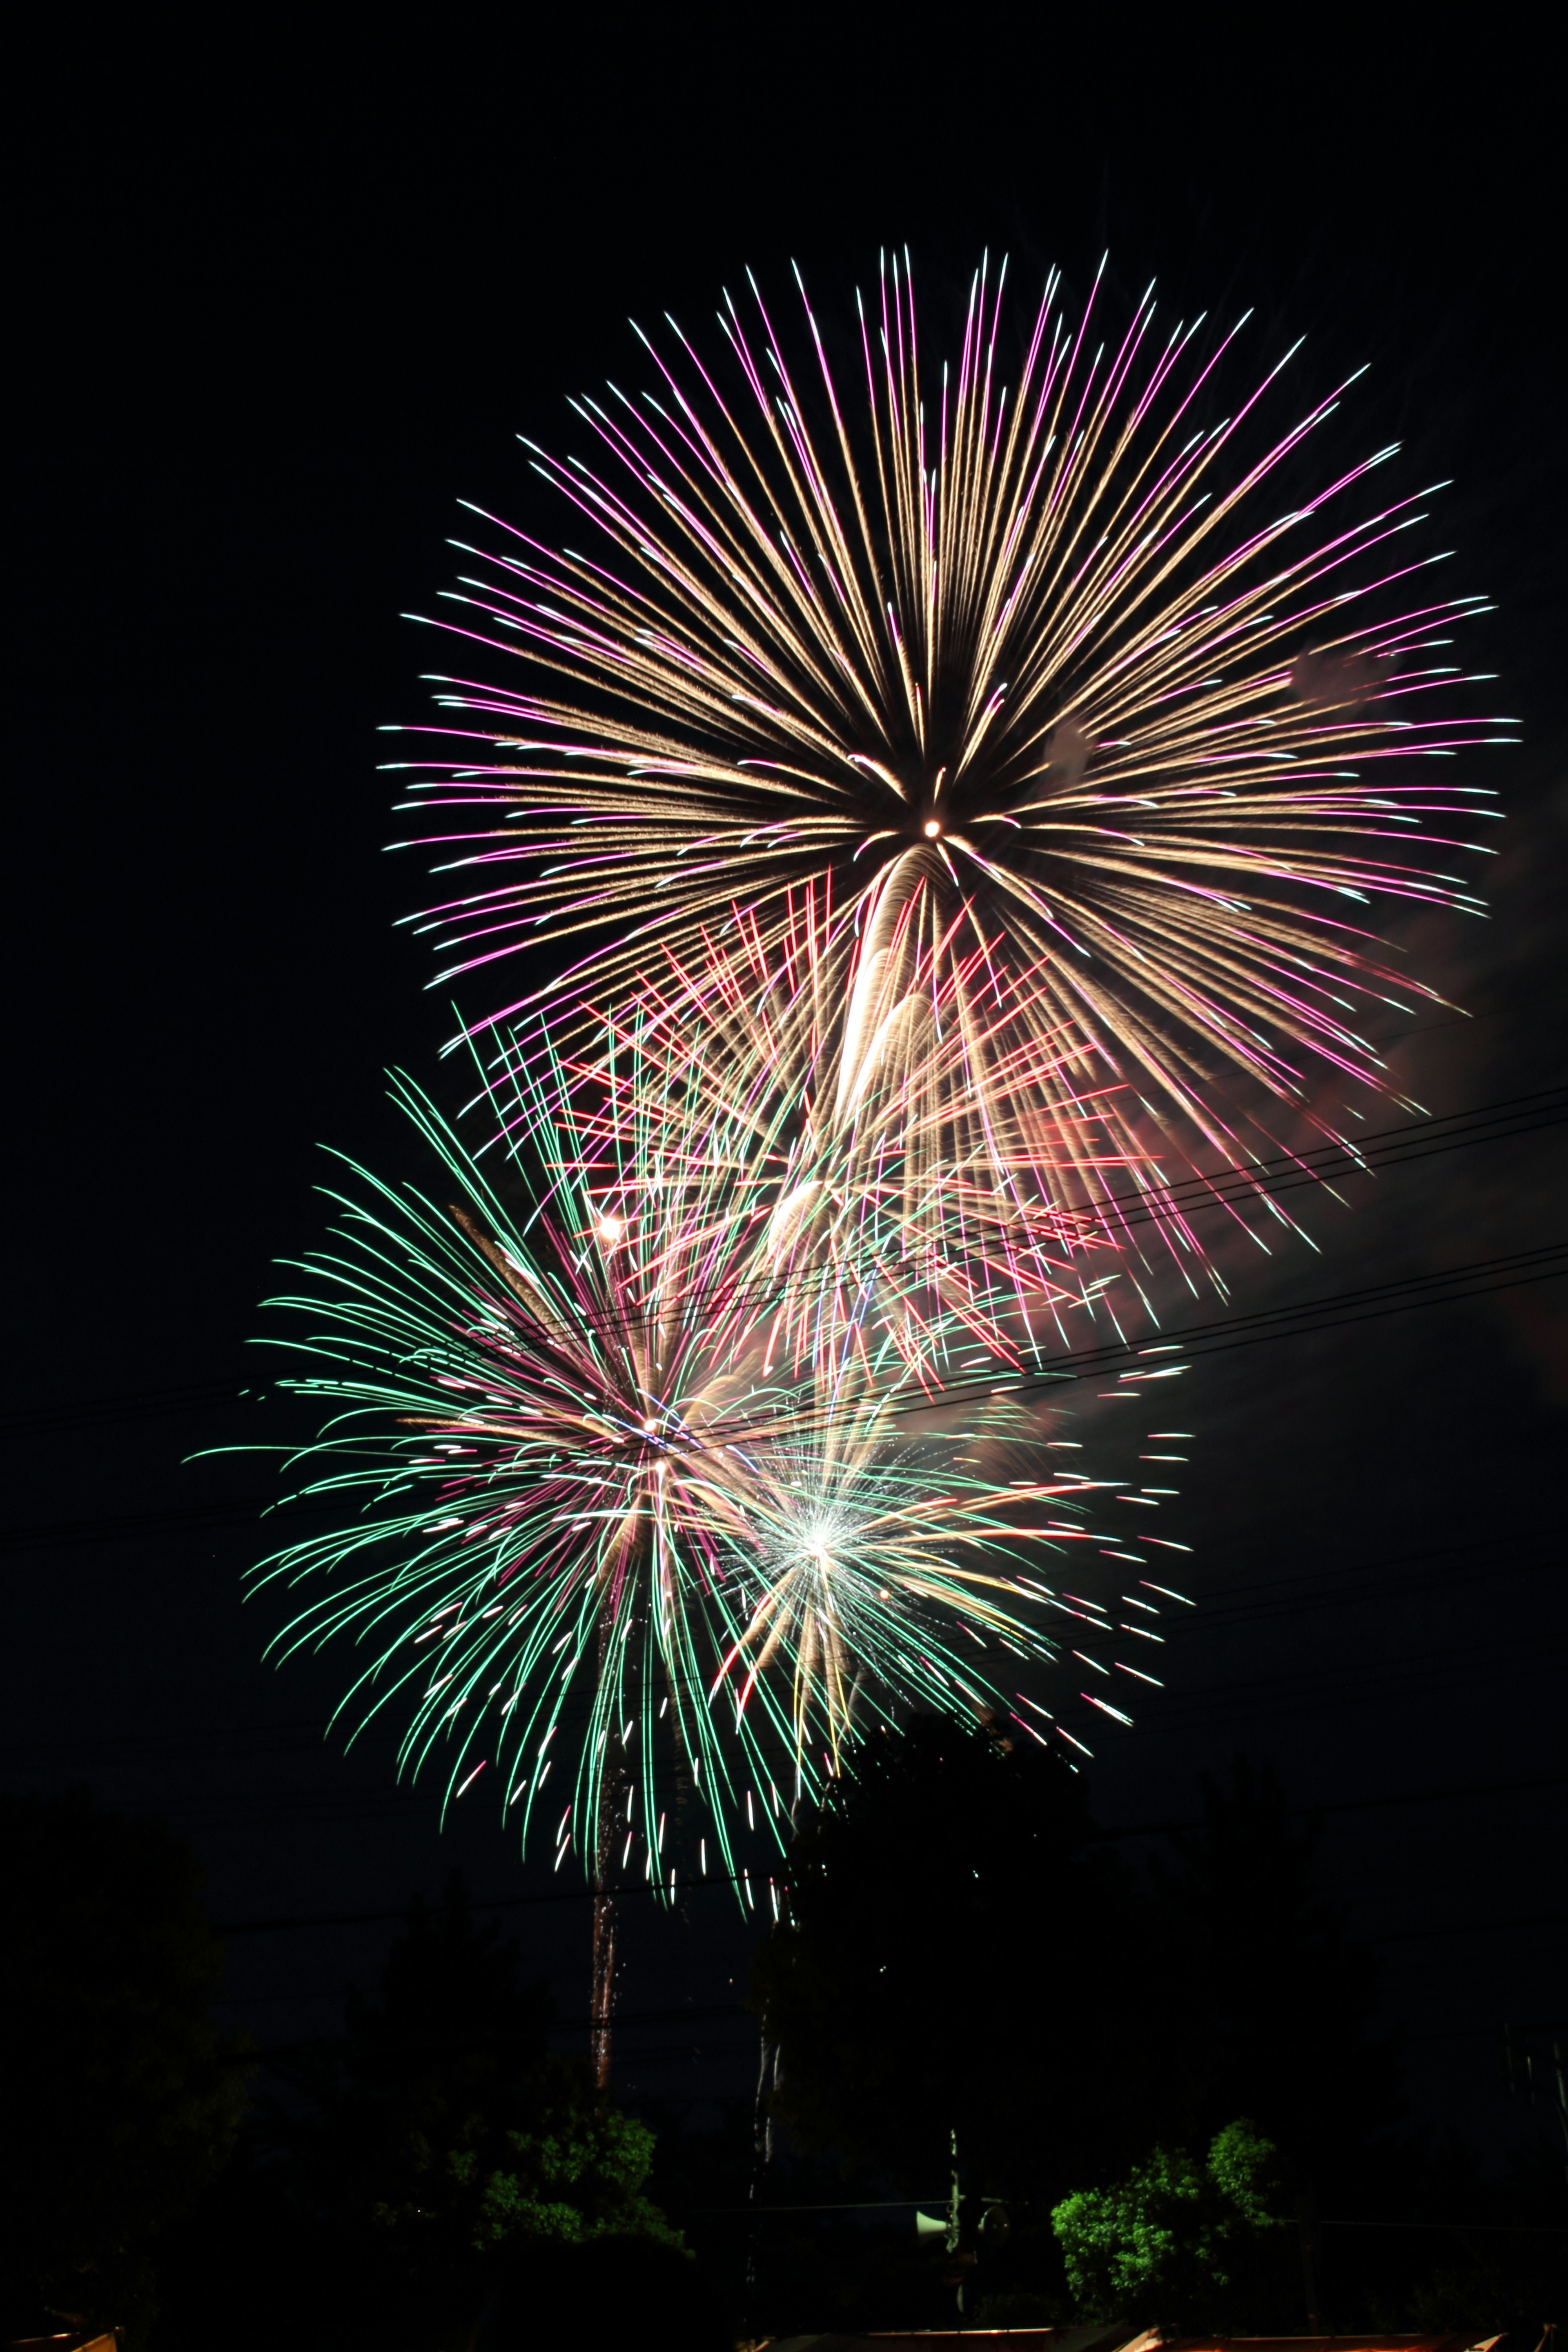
[283, 299]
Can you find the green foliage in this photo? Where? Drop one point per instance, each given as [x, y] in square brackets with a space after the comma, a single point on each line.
[120, 2100]
[1165, 2240]
[574, 2173]
[1241, 2166]
[413, 2156]
[444, 2115]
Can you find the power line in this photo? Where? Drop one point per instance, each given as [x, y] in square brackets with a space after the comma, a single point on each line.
[1377, 1689]
[1355, 1572]
[838, 2205]
[728, 1878]
[1387, 1147]
[1384, 1147]
[1469, 1928]
[1481, 2033]
[1476, 1279]
[1354, 1577]
[1506, 2229]
[1176, 1699]
[1446, 1287]
[1391, 1586]
[130, 1527]
[381, 1799]
[1241, 1182]
[1325, 2221]
[1361, 1804]
[134, 1404]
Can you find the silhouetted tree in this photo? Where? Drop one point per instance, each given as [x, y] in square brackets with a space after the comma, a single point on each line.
[452, 2030]
[386, 2188]
[119, 2101]
[1266, 2004]
[955, 1958]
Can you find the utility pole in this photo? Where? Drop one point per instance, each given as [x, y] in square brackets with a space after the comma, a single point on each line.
[761, 2155]
[961, 2257]
[1558, 2100]
[602, 1997]
[1309, 2230]
[609, 1821]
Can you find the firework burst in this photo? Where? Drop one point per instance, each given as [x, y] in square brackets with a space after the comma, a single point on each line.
[576, 1538]
[852, 1528]
[1079, 771]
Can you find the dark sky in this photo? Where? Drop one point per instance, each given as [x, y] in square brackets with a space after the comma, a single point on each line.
[281, 299]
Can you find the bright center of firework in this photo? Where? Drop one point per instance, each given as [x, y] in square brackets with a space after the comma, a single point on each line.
[930, 828]
[610, 1229]
[651, 1427]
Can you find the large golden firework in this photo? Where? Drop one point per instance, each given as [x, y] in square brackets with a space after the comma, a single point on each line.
[973, 751]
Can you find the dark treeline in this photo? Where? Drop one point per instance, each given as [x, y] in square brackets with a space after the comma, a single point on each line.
[965, 1959]
[1183, 2066]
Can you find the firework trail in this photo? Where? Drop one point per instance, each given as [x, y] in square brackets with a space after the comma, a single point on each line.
[857, 1223]
[575, 1537]
[838, 1241]
[990, 733]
